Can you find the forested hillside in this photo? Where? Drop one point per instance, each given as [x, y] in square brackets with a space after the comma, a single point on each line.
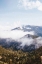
[20, 57]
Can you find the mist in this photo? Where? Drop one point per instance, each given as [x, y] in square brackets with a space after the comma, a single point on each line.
[19, 36]
[6, 32]
[16, 34]
[30, 41]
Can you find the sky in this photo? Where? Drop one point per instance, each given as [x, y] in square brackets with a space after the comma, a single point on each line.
[15, 13]
[20, 12]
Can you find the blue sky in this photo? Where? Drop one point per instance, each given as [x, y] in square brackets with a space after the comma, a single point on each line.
[21, 12]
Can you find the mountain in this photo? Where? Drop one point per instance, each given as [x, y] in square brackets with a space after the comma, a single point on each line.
[28, 28]
[26, 43]
[31, 38]
[17, 28]
[36, 29]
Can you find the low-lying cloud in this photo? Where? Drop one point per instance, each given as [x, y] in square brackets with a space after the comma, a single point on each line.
[18, 35]
[29, 41]
[12, 34]
[6, 32]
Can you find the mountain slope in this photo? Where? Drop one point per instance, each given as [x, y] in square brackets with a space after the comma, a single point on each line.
[28, 28]
[19, 57]
[26, 38]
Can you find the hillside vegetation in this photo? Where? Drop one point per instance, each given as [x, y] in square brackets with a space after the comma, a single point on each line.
[20, 57]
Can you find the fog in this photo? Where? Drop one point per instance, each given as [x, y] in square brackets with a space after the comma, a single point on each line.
[18, 35]
[5, 32]
[29, 41]
[26, 41]
[15, 34]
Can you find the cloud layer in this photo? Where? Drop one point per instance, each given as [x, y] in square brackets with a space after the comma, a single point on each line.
[29, 41]
[19, 36]
[5, 31]
[30, 4]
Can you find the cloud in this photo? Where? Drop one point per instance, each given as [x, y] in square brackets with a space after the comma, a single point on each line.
[25, 41]
[4, 28]
[5, 31]
[12, 34]
[29, 41]
[19, 36]
[38, 42]
[27, 4]
[9, 25]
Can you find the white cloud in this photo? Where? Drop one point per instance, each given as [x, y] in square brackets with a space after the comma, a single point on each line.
[27, 4]
[4, 28]
[12, 34]
[25, 41]
[5, 31]
[9, 26]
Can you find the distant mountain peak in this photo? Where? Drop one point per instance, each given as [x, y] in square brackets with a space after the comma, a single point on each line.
[17, 28]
